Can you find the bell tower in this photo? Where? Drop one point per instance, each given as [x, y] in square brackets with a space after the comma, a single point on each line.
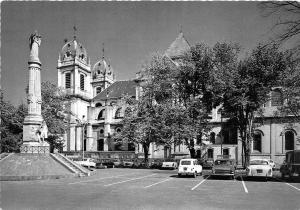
[102, 74]
[74, 78]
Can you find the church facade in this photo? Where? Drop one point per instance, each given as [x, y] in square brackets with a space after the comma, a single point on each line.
[97, 112]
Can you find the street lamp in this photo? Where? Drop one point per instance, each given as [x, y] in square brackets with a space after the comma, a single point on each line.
[83, 124]
[221, 132]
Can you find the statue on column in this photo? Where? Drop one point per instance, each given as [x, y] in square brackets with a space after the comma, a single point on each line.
[34, 44]
[42, 133]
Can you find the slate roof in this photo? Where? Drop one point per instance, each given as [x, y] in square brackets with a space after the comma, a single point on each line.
[117, 90]
[178, 47]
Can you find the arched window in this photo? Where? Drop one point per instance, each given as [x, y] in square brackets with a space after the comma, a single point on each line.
[81, 82]
[101, 114]
[98, 105]
[257, 142]
[276, 98]
[131, 147]
[98, 90]
[212, 137]
[210, 153]
[289, 140]
[100, 145]
[226, 152]
[68, 80]
[118, 113]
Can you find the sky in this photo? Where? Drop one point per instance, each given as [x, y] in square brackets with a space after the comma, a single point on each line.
[131, 33]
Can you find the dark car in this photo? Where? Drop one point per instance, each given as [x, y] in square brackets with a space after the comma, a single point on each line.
[156, 164]
[224, 167]
[207, 164]
[291, 165]
[108, 164]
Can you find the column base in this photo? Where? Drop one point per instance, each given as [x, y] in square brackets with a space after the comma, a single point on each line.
[35, 147]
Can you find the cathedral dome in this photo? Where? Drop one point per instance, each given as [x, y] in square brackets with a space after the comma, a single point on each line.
[73, 49]
[102, 68]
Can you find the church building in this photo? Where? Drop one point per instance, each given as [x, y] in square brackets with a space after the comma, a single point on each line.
[97, 112]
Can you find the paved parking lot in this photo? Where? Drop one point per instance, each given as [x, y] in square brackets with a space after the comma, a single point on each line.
[149, 189]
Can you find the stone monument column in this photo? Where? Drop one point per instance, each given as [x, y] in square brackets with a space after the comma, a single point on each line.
[34, 125]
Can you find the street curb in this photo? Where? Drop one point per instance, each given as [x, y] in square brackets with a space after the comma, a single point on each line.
[28, 178]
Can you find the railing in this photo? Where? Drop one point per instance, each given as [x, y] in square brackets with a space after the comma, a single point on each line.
[34, 149]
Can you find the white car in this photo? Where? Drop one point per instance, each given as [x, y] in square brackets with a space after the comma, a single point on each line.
[87, 162]
[169, 165]
[189, 167]
[259, 168]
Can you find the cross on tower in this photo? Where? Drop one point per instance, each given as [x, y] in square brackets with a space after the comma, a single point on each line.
[74, 31]
[103, 50]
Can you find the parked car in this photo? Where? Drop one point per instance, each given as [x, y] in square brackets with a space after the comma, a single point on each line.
[117, 163]
[272, 163]
[291, 165]
[259, 168]
[207, 164]
[109, 164]
[87, 162]
[169, 165]
[189, 167]
[224, 167]
[156, 164]
[100, 165]
[127, 164]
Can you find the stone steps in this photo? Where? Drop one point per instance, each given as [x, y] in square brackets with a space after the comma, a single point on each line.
[72, 166]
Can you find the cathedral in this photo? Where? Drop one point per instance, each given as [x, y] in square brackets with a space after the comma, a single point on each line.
[97, 111]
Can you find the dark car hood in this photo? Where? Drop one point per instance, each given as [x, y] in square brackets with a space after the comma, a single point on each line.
[225, 167]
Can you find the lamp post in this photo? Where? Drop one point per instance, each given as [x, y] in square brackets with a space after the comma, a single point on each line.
[221, 132]
[82, 124]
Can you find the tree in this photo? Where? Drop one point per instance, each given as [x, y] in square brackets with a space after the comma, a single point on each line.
[288, 23]
[192, 84]
[53, 103]
[12, 119]
[148, 120]
[250, 83]
[11, 126]
[290, 83]
[288, 13]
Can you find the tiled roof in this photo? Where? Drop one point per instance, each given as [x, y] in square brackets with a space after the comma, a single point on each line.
[178, 47]
[117, 90]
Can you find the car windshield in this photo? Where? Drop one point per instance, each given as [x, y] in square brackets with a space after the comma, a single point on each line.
[186, 162]
[222, 162]
[259, 162]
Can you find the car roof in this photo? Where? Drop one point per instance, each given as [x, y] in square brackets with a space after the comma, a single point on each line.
[268, 160]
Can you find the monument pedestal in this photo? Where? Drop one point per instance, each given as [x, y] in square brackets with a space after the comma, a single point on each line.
[35, 147]
[31, 139]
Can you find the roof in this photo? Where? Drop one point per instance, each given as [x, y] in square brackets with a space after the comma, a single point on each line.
[73, 49]
[178, 47]
[117, 90]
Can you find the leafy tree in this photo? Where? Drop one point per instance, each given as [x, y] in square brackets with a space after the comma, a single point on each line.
[53, 103]
[12, 119]
[192, 96]
[147, 120]
[250, 83]
[290, 83]
[11, 126]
